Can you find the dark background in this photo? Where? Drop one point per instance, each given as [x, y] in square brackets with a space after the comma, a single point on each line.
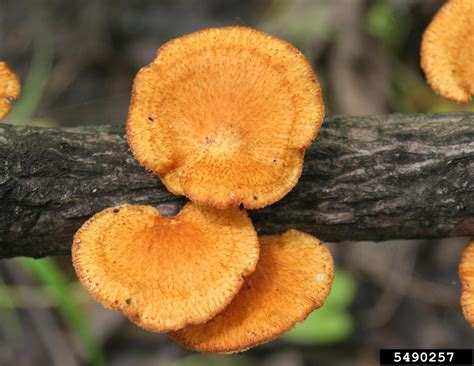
[77, 60]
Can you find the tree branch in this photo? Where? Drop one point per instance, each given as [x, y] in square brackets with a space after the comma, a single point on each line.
[365, 178]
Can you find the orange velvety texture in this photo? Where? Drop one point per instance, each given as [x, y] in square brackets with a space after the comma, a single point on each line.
[466, 272]
[293, 277]
[165, 273]
[447, 51]
[9, 89]
[224, 115]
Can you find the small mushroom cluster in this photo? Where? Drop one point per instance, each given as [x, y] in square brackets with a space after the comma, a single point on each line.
[222, 116]
[9, 89]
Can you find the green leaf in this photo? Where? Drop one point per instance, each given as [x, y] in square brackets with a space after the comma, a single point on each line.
[343, 290]
[322, 327]
[383, 22]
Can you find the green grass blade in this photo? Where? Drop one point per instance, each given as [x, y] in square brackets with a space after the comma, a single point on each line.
[40, 68]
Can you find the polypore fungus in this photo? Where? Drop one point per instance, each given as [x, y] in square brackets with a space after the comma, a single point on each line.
[224, 115]
[293, 277]
[10, 88]
[466, 272]
[165, 273]
[447, 51]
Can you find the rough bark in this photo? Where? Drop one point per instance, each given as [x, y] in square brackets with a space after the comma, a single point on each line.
[365, 178]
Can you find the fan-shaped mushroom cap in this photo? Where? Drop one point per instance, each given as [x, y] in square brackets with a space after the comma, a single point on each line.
[165, 273]
[9, 89]
[293, 277]
[447, 51]
[466, 272]
[223, 116]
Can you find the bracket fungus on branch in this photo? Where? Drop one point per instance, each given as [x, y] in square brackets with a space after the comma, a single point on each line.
[165, 273]
[466, 272]
[447, 51]
[224, 115]
[10, 89]
[293, 277]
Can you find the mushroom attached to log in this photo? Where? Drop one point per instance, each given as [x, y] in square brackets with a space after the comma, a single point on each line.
[165, 273]
[447, 51]
[293, 277]
[10, 88]
[224, 115]
[466, 272]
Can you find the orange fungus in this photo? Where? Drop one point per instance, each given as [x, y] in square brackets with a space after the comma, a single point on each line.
[165, 272]
[224, 115]
[9, 89]
[447, 51]
[466, 272]
[293, 277]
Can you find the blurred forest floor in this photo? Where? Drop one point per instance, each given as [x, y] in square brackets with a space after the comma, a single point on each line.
[77, 61]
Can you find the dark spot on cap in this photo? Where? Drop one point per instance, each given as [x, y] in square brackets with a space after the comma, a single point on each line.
[150, 119]
[115, 210]
[128, 301]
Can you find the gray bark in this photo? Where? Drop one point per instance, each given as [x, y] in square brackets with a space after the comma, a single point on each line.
[365, 178]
